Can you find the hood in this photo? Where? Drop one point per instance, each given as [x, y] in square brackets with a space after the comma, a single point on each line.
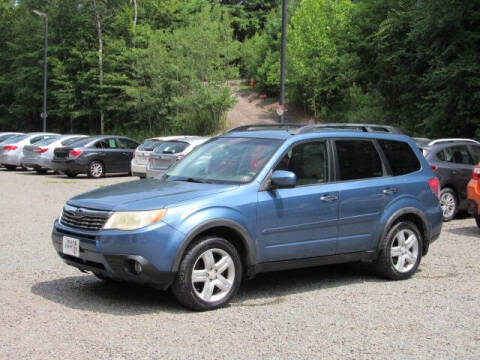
[146, 194]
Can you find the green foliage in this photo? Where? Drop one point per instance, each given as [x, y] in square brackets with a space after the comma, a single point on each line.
[164, 74]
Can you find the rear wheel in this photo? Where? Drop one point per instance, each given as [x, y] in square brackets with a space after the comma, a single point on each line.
[41, 171]
[96, 169]
[209, 275]
[400, 251]
[10, 167]
[448, 203]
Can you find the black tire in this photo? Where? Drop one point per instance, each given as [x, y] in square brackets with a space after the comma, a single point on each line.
[477, 220]
[385, 263]
[96, 169]
[10, 167]
[183, 288]
[70, 174]
[450, 210]
[41, 171]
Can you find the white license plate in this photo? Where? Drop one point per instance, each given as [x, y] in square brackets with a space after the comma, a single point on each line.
[71, 246]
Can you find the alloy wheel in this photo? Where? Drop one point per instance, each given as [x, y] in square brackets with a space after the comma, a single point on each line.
[213, 275]
[404, 250]
[448, 204]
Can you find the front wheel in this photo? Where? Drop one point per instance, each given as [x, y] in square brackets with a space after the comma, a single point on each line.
[10, 167]
[41, 171]
[477, 220]
[448, 203]
[96, 169]
[209, 275]
[70, 174]
[400, 251]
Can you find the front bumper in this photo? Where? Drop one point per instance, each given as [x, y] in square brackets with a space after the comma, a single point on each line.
[113, 253]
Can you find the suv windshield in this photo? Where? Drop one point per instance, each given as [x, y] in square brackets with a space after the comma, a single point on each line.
[225, 160]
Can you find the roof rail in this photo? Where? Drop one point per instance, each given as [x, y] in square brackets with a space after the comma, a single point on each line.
[439, 141]
[266, 126]
[350, 126]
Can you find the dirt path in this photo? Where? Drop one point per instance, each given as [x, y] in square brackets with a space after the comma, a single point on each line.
[248, 109]
[251, 108]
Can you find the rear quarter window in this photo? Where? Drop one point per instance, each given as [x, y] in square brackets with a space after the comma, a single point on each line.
[400, 156]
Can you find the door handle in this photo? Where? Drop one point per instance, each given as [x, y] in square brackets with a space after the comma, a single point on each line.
[454, 172]
[328, 198]
[389, 191]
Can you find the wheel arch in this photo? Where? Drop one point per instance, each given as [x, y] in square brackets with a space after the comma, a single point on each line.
[224, 228]
[413, 215]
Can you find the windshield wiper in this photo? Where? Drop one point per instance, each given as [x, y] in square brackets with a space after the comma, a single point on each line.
[193, 180]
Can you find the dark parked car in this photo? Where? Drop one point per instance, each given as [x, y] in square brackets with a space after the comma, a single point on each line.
[95, 156]
[248, 202]
[452, 161]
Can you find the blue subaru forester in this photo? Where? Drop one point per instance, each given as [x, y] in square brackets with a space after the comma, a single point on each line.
[257, 199]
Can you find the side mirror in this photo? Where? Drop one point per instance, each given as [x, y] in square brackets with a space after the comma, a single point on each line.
[283, 179]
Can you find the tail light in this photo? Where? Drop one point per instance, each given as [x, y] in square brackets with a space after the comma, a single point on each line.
[180, 156]
[149, 159]
[75, 153]
[40, 150]
[133, 157]
[435, 186]
[10, 147]
[434, 167]
[476, 173]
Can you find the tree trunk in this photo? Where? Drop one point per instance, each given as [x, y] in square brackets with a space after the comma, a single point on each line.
[134, 21]
[100, 58]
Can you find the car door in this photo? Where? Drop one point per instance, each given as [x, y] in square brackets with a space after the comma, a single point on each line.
[109, 153]
[458, 168]
[300, 222]
[127, 147]
[365, 190]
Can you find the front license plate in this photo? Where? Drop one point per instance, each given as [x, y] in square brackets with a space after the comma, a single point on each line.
[71, 246]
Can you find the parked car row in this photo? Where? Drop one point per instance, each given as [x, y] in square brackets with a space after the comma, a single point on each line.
[452, 160]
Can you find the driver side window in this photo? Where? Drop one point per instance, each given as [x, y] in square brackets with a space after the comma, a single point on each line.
[309, 162]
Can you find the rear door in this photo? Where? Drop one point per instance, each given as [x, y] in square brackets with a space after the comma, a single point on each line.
[108, 151]
[364, 191]
[127, 147]
[458, 170]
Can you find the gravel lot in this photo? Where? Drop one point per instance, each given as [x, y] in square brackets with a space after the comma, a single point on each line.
[50, 310]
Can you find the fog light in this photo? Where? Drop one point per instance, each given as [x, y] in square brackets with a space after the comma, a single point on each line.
[137, 268]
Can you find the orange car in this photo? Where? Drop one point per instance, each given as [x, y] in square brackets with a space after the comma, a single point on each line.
[473, 194]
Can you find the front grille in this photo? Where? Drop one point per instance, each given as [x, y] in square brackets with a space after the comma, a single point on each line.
[85, 219]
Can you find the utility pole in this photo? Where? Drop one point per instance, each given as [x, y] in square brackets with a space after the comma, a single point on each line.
[45, 63]
[281, 108]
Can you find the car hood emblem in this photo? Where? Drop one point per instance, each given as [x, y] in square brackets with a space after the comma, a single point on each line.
[79, 212]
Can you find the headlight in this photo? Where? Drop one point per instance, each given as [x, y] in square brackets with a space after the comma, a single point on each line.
[132, 220]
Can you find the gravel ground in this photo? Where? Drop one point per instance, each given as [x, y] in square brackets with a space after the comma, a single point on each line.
[50, 310]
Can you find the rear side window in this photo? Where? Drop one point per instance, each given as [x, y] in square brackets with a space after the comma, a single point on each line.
[475, 150]
[171, 147]
[70, 141]
[455, 154]
[358, 159]
[400, 156]
[127, 143]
